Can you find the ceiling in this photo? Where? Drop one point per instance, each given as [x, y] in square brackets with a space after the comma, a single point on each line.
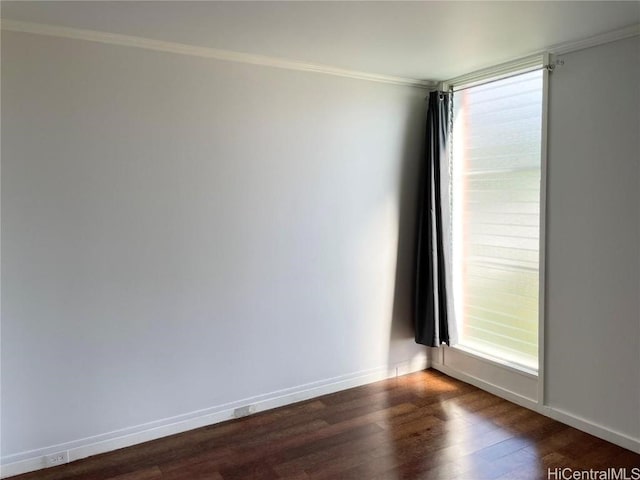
[421, 40]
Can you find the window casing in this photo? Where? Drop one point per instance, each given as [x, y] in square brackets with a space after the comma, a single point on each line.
[496, 182]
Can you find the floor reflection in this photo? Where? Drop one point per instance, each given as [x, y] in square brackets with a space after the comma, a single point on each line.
[419, 426]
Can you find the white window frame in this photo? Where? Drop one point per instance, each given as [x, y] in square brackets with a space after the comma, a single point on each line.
[541, 61]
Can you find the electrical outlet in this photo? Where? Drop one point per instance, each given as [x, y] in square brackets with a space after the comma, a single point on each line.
[56, 459]
[244, 411]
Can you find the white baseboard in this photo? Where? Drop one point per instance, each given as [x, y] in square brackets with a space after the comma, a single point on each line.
[486, 386]
[567, 418]
[35, 459]
[592, 428]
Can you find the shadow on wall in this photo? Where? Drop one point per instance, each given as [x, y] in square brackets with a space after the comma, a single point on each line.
[401, 333]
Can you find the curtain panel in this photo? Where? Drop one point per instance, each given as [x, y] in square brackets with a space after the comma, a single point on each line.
[434, 316]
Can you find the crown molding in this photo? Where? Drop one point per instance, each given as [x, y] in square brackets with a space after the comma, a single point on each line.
[495, 72]
[540, 58]
[620, 34]
[203, 52]
[276, 62]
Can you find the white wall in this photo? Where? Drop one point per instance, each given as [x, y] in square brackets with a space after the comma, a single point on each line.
[593, 237]
[180, 233]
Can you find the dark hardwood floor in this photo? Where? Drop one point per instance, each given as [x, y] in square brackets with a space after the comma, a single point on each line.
[420, 426]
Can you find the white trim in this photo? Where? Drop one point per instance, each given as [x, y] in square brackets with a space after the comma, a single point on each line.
[203, 52]
[541, 58]
[497, 374]
[497, 71]
[495, 361]
[542, 278]
[592, 428]
[608, 37]
[567, 418]
[436, 355]
[231, 56]
[34, 460]
[498, 369]
[428, 359]
[487, 386]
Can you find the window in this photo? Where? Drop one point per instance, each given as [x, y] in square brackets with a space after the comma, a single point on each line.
[496, 172]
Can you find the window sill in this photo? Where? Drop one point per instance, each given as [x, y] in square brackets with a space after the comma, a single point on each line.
[484, 357]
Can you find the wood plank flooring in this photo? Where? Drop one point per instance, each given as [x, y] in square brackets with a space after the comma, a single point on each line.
[420, 426]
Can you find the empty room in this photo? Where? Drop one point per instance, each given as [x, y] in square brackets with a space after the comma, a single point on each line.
[320, 240]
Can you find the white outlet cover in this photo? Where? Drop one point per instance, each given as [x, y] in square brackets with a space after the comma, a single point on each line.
[244, 411]
[58, 458]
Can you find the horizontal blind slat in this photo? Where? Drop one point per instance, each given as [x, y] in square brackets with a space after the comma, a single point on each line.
[496, 208]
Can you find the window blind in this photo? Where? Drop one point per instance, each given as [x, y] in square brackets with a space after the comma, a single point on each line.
[496, 164]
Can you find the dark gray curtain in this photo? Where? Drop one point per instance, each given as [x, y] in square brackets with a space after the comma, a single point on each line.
[430, 295]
